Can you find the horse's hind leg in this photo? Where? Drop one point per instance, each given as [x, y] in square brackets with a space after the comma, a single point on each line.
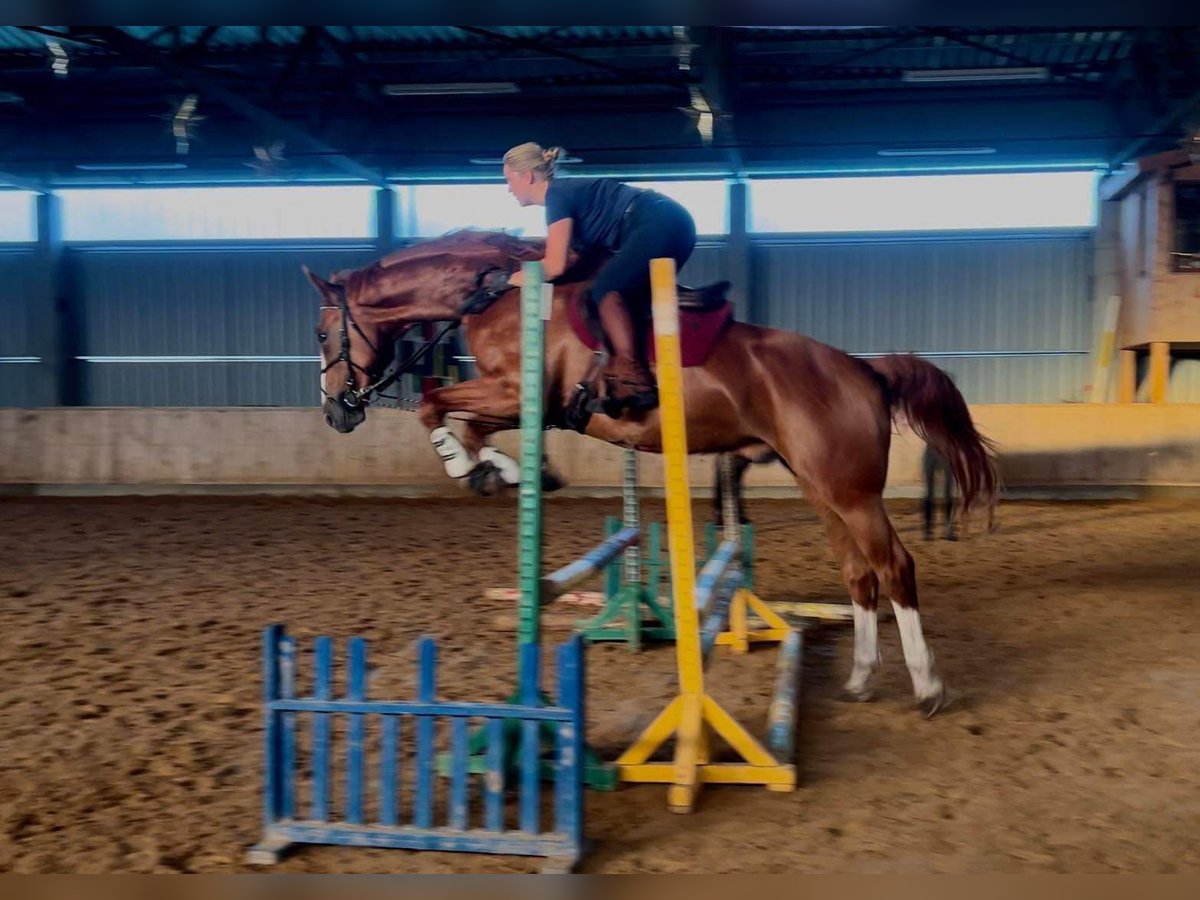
[863, 587]
[868, 524]
[740, 464]
[756, 454]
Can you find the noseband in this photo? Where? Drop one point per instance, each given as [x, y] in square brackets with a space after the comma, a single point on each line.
[353, 397]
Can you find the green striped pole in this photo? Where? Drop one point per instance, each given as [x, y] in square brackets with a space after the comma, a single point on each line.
[536, 306]
[534, 311]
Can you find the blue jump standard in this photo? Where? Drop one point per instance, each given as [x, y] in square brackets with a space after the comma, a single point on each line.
[473, 816]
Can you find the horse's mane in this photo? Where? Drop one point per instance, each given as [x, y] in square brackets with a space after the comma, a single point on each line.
[463, 242]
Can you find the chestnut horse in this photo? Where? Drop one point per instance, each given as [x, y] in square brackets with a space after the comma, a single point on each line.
[761, 392]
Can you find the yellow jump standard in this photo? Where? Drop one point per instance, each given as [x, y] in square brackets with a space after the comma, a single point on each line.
[693, 717]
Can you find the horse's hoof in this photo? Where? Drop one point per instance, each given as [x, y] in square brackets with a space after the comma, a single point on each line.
[719, 521]
[485, 480]
[863, 695]
[552, 481]
[931, 706]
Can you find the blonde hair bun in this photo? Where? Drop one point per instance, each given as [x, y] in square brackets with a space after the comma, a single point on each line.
[533, 157]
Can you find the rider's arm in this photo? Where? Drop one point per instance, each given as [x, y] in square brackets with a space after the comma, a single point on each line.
[554, 262]
[558, 241]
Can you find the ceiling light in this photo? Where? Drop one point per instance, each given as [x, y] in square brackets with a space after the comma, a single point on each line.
[441, 89]
[939, 151]
[995, 73]
[130, 167]
[60, 63]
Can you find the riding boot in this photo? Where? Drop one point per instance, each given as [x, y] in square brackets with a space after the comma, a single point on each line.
[627, 380]
[629, 385]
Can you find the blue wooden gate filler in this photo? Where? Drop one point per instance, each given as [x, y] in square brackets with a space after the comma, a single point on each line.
[474, 827]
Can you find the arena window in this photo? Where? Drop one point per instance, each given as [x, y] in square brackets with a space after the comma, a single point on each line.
[428, 210]
[924, 203]
[219, 213]
[18, 216]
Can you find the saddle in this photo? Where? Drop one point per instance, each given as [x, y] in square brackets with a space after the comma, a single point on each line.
[704, 314]
[709, 298]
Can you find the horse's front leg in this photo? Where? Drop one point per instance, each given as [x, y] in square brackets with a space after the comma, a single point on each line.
[496, 406]
[496, 469]
[486, 398]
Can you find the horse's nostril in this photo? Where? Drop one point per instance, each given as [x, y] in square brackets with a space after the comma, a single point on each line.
[329, 420]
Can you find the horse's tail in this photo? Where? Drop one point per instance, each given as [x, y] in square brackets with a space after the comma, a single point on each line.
[938, 414]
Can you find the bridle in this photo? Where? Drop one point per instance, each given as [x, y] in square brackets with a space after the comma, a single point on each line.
[352, 397]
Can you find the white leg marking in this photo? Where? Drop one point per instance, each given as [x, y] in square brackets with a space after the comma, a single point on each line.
[917, 655]
[454, 455]
[866, 650]
[509, 470]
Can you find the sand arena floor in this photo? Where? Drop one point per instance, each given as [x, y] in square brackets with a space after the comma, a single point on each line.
[131, 725]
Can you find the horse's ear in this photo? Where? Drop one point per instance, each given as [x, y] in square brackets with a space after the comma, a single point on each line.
[326, 289]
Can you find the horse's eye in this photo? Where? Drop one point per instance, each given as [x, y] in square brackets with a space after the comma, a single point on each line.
[321, 336]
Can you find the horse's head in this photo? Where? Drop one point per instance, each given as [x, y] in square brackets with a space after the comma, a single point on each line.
[364, 311]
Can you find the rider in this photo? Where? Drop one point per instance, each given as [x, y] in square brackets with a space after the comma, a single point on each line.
[602, 214]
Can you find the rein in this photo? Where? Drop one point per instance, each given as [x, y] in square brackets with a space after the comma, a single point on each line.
[352, 396]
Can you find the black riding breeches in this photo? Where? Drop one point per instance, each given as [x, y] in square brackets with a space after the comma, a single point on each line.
[655, 226]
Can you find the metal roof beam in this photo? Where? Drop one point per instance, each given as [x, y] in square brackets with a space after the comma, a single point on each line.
[208, 83]
[1055, 68]
[1168, 120]
[21, 182]
[553, 51]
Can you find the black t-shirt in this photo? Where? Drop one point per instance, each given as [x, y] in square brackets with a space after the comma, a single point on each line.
[595, 205]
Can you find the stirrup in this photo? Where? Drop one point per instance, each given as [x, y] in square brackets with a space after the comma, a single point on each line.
[581, 406]
[584, 402]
